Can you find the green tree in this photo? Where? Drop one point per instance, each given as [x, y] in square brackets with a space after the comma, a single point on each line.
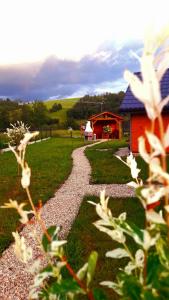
[39, 114]
[56, 107]
[27, 114]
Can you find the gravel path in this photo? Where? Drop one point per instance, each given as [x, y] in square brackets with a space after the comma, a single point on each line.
[59, 210]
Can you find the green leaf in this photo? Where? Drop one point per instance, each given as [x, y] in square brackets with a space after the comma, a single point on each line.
[91, 266]
[163, 251]
[99, 294]
[148, 295]
[64, 287]
[82, 271]
[153, 267]
[52, 231]
[131, 288]
[134, 231]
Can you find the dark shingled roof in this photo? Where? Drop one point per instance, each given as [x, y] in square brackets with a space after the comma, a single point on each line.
[130, 102]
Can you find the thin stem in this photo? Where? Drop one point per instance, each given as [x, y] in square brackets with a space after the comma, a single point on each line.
[128, 251]
[163, 157]
[164, 163]
[151, 150]
[69, 268]
[145, 267]
[63, 258]
[37, 216]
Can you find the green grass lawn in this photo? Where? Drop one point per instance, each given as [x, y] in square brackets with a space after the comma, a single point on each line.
[66, 104]
[85, 237]
[3, 140]
[51, 164]
[106, 168]
[65, 133]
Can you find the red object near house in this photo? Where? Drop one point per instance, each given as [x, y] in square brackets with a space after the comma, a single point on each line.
[139, 122]
[104, 119]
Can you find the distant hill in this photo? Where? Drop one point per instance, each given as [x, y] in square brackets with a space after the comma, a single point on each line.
[66, 105]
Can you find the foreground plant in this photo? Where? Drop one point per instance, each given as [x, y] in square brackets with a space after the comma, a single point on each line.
[16, 133]
[48, 282]
[146, 274]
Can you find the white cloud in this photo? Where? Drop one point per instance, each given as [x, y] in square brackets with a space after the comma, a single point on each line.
[31, 30]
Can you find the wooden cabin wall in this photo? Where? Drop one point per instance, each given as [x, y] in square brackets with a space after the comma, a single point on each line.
[140, 123]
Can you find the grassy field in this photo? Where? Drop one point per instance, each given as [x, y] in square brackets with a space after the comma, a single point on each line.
[66, 104]
[106, 168]
[51, 164]
[3, 140]
[84, 238]
[65, 133]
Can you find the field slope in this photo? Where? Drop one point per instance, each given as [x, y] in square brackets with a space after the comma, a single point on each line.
[66, 104]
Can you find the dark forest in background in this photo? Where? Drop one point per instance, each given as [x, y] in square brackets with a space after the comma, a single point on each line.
[37, 115]
[90, 105]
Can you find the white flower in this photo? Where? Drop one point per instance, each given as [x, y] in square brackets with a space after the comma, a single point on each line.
[153, 193]
[137, 263]
[134, 184]
[117, 253]
[154, 162]
[18, 157]
[27, 137]
[142, 149]
[19, 207]
[22, 252]
[53, 297]
[134, 170]
[101, 208]
[38, 281]
[103, 201]
[130, 267]
[132, 164]
[26, 174]
[157, 170]
[148, 240]
[82, 271]
[56, 244]
[155, 144]
[147, 90]
[16, 133]
[139, 258]
[115, 234]
[153, 216]
[118, 236]
[122, 216]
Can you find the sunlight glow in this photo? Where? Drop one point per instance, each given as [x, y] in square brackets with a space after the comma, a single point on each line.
[32, 30]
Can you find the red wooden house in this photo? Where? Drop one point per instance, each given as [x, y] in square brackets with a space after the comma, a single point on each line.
[139, 121]
[106, 125]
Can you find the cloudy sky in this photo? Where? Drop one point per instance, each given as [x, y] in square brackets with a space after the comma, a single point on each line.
[68, 48]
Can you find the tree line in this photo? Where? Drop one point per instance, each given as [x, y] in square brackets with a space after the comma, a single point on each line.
[35, 114]
[90, 105]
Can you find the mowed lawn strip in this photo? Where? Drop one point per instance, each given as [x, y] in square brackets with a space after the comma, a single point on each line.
[85, 237]
[50, 163]
[106, 168]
